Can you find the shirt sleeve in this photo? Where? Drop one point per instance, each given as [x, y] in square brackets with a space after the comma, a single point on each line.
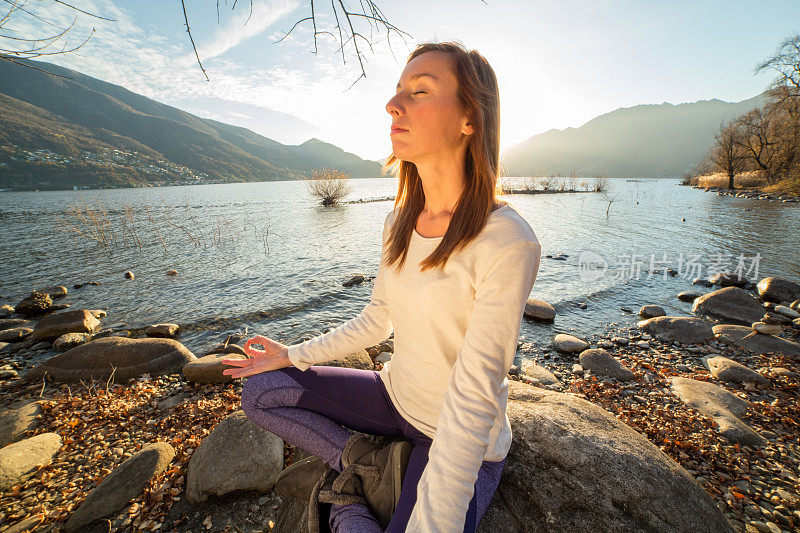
[471, 405]
[370, 327]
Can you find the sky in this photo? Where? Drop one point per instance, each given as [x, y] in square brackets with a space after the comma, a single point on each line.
[558, 63]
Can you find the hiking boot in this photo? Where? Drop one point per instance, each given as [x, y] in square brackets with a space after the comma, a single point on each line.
[374, 473]
[322, 493]
[298, 479]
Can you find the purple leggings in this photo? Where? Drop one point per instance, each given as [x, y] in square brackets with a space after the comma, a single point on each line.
[309, 408]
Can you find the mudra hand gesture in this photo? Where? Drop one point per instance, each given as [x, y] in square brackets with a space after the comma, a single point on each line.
[272, 357]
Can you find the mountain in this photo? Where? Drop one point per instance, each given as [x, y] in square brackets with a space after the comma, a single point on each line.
[663, 140]
[77, 130]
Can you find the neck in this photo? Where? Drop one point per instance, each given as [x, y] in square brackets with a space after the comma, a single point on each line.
[442, 182]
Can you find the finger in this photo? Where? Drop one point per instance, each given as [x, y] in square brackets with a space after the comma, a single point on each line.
[237, 362]
[242, 372]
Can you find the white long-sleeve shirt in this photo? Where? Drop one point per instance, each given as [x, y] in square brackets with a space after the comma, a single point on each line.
[455, 337]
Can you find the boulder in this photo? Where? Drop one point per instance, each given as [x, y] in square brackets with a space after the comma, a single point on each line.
[573, 466]
[767, 329]
[209, 368]
[539, 372]
[57, 324]
[70, 340]
[6, 310]
[729, 304]
[650, 311]
[225, 461]
[682, 329]
[721, 405]
[56, 291]
[15, 334]
[689, 296]
[539, 310]
[8, 323]
[126, 358]
[17, 421]
[359, 359]
[566, 343]
[723, 279]
[124, 483]
[787, 311]
[603, 363]
[38, 303]
[227, 348]
[162, 330]
[747, 338]
[778, 290]
[729, 370]
[22, 459]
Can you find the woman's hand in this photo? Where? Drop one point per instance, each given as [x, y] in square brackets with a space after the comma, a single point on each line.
[274, 356]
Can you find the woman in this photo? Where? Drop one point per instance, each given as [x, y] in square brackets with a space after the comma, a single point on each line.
[457, 267]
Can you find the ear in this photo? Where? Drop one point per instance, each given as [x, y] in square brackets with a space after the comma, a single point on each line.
[467, 128]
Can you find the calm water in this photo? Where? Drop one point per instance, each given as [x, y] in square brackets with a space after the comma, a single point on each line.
[263, 258]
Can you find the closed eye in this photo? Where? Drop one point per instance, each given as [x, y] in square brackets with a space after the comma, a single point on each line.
[419, 92]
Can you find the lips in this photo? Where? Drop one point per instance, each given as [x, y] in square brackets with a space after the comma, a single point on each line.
[397, 129]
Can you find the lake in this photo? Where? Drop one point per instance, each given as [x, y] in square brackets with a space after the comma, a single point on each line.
[265, 258]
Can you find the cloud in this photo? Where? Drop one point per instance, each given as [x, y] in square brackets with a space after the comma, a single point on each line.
[238, 28]
[283, 91]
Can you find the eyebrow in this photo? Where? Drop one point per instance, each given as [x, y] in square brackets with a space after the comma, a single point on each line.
[415, 76]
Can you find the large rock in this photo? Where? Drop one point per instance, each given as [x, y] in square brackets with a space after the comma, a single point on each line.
[162, 330]
[359, 359]
[650, 311]
[123, 484]
[721, 405]
[56, 291]
[126, 358]
[730, 304]
[57, 324]
[683, 329]
[38, 303]
[225, 461]
[17, 421]
[8, 323]
[724, 279]
[747, 338]
[689, 296]
[208, 369]
[778, 290]
[539, 372]
[566, 343]
[575, 467]
[539, 310]
[21, 460]
[15, 334]
[70, 340]
[731, 371]
[603, 363]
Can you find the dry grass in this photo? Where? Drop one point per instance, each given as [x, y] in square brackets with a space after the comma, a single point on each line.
[329, 185]
[748, 179]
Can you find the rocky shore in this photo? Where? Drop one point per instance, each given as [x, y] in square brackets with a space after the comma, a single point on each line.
[665, 424]
[752, 193]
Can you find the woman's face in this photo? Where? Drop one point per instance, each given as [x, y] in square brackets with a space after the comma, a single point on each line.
[426, 105]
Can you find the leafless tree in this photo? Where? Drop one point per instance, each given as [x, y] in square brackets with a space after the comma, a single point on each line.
[15, 45]
[728, 154]
[355, 28]
[758, 140]
[346, 28]
[783, 106]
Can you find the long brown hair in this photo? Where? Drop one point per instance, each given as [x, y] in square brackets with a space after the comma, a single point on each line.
[479, 98]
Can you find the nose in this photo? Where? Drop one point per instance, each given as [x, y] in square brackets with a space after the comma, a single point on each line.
[392, 107]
